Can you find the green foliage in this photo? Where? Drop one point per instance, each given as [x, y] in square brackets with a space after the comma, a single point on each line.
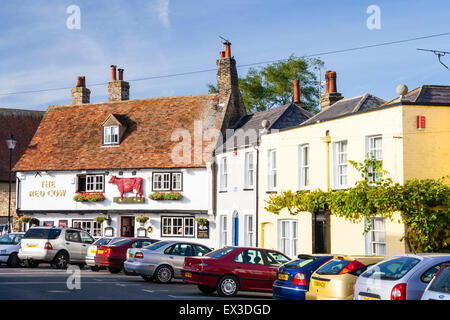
[201, 221]
[271, 86]
[142, 219]
[424, 205]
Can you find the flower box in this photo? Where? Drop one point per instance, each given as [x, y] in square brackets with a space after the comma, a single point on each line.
[172, 195]
[89, 197]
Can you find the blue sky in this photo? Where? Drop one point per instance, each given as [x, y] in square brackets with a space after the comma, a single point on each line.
[159, 37]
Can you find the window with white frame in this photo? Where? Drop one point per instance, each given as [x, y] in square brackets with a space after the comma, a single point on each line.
[111, 135]
[90, 226]
[304, 166]
[177, 226]
[249, 170]
[287, 237]
[340, 165]
[249, 231]
[272, 169]
[166, 181]
[374, 150]
[223, 231]
[90, 183]
[376, 237]
[223, 170]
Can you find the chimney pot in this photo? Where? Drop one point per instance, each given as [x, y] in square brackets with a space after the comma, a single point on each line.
[227, 49]
[113, 72]
[222, 54]
[81, 94]
[80, 82]
[120, 74]
[332, 81]
[296, 91]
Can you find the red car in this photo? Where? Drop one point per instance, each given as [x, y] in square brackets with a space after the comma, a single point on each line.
[231, 269]
[113, 256]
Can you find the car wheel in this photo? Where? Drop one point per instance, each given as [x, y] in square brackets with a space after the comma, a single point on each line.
[114, 270]
[228, 286]
[206, 289]
[148, 278]
[164, 274]
[61, 260]
[95, 268]
[13, 261]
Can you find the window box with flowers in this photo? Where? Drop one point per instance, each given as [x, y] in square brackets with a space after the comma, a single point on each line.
[172, 195]
[89, 196]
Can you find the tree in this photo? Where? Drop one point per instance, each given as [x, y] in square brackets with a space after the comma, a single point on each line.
[271, 86]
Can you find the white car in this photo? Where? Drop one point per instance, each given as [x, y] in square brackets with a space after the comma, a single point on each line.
[9, 247]
[92, 250]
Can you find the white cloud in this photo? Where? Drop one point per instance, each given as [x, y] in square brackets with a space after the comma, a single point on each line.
[162, 8]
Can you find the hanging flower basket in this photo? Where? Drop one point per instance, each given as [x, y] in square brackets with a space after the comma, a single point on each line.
[89, 196]
[172, 195]
[201, 221]
[100, 219]
[25, 219]
[142, 219]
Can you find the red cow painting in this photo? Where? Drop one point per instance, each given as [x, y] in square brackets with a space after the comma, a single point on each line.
[128, 185]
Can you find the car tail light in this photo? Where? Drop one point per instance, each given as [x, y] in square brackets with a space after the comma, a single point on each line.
[399, 292]
[299, 279]
[139, 255]
[201, 265]
[355, 264]
[48, 246]
[106, 251]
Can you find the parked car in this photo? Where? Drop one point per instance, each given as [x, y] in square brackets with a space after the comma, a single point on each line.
[231, 269]
[163, 260]
[57, 246]
[293, 277]
[439, 287]
[114, 254]
[9, 248]
[92, 250]
[335, 279]
[400, 277]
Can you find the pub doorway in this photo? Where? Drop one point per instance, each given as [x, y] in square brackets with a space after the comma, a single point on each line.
[127, 226]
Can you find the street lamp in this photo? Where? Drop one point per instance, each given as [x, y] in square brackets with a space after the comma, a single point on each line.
[11, 143]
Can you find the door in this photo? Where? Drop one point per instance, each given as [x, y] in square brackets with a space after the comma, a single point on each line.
[86, 241]
[235, 229]
[320, 232]
[249, 267]
[127, 226]
[73, 245]
[177, 255]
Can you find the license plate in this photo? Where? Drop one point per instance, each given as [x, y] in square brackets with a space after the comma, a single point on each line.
[283, 276]
[93, 251]
[188, 275]
[320, 284]
[31, 245]
[368, 298]
[130, 255]
[100, 251]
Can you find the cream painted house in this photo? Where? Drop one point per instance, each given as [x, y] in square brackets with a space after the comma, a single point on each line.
[410, 136]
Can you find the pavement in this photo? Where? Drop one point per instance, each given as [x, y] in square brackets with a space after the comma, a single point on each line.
[45, 283]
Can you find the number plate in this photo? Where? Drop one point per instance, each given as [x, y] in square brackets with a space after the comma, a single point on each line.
[31, 245]
[320, 284]
[100, 251]
[368, 298]
[188, 275]
[283, 276]
[93, 251]
[130, 255]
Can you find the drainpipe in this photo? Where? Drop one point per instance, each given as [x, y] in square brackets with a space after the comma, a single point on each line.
[328, 141]
[257, 193]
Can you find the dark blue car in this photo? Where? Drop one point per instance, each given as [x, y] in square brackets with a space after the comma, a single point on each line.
[293, 277]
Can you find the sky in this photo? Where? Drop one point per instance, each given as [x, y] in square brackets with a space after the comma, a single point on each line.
[43, 47]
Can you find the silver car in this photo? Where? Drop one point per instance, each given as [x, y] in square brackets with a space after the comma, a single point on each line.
[400, 277]
[162, 261]
[439, 287]
[92, 250]
[9, 247]
[57, 246]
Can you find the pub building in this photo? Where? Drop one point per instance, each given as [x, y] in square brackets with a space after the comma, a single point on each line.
[123, 159]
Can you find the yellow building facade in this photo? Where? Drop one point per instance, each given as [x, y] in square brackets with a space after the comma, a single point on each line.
[315, 156]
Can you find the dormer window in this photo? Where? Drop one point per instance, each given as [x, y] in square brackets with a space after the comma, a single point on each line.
[111, 135]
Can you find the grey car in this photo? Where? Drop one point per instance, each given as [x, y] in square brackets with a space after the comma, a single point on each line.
[400, 277]
[9, 247]
[57, 246]
[439, 287]
[162, 261]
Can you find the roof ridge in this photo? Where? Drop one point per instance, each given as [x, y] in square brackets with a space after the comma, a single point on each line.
[361, 102]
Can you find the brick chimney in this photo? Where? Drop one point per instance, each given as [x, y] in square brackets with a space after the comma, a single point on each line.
[118, 90]
[331, 95]
[81, 94]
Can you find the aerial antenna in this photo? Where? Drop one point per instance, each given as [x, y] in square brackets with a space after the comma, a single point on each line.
[224, 40]
[439, 55]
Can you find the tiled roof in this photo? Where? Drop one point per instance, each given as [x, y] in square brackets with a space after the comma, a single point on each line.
[70, 137]
[346, 107]
[282, 117]
[426, 94]
[22, 124]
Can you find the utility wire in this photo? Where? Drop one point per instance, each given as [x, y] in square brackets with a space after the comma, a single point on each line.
[240, 66]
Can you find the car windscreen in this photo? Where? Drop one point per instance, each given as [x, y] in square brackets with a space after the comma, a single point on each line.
[299, 263]
[442, 281]
[121, 242]
[393, 269]
[10, 239]
[38, 233]
[219, 253]
[156, 245]
[102, 242]
[333, 267]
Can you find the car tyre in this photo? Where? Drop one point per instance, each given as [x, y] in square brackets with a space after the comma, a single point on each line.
[164, 274]
[61, 260]
[148, 278]
[95, 268]
[114, 270]
[228, 286]
[206, 289]
[13, 260]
